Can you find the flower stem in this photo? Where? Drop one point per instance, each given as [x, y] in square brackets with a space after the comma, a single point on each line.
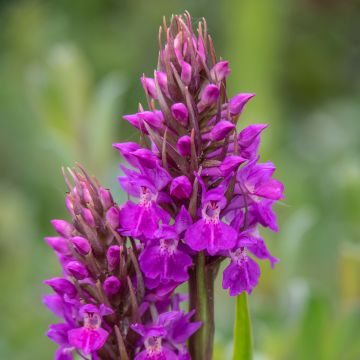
[198, 297]
[201, 297]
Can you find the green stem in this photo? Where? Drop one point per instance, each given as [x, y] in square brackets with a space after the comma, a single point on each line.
[210, 321]
[242, 330]
[199, 297]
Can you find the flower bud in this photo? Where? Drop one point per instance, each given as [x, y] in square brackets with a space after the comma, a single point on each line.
[238, 102]
[149, 86]
[81, 245]
[62, 286]
[62, 227]
[220, 130]
[59, 244]
[86, 197]
[111, 285]
[69, 205]
[77, 270]
[248, 135]
[88, 217]
[185, 72]
[105, 198]
[181, 187]
[112, 217]
[184, 145]
[209, 96]
[113, 257]
[220, 71]
[162, 81]
[180, 113]
[146, 158]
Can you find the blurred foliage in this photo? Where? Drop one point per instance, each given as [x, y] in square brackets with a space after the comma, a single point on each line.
[70, 69]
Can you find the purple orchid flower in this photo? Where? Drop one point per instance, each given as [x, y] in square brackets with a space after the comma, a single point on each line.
[90, 337]
[242, 274]
[210, 233]
[164, 260]
[152, 339]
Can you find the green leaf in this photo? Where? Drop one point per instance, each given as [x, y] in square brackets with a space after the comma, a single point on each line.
[242, 330]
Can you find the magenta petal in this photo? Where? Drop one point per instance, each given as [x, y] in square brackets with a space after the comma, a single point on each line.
[272, 189]
[151, 262]
[260, 250]
[87, 340]
[183, 220]
[211, 236]
[230, 164]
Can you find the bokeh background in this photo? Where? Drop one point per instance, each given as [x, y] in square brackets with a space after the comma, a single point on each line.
[70, 69]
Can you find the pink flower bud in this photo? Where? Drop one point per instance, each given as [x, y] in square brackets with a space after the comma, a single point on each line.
[105, 198]
[112, 217]
[111, 285]
[249, 134]
[69, 205]
[220, 71]
[81, 245]
[62, 227]
[209, 96]
[77, 270]
[146, 158]
[162, 81]
[238, 102]
[220, 130]
[59, 244]
[88, 217]
[62, 286]
[181, 187]
[185, 72]
[149, 86]
[113, 257]
[85, 193]
[184, 145]
[180, 113]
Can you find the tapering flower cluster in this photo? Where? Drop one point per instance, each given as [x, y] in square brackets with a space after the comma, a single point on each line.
[196, 187]
[200, 185]
[106, 310]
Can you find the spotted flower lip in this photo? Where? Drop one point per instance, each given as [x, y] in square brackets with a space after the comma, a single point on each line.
[90, 337]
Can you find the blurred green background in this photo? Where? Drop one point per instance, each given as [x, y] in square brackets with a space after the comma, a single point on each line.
[70, 69]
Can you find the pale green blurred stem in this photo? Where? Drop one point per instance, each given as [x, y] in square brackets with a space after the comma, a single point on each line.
[243, 343]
